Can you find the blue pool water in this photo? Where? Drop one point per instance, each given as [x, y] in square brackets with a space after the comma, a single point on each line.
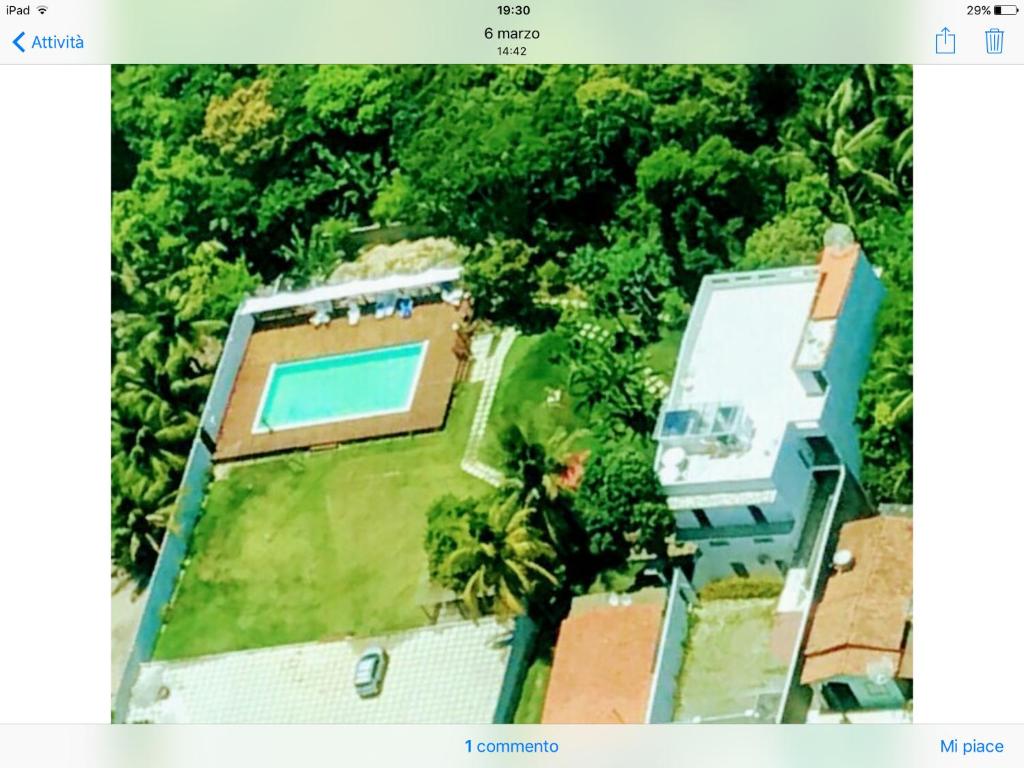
[350, 386]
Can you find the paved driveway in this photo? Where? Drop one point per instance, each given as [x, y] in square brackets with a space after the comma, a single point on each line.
[449, 673]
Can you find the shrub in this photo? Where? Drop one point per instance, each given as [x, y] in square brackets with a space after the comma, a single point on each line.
[736, 588]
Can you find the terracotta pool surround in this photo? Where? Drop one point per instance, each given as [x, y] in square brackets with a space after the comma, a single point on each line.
[434, 323]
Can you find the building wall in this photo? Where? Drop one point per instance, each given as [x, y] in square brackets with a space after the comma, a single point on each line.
[792, 476]
[717, 516]
[870, 695]
[757, 550]
[524, 640]
[162, 583]
[849, 503]
[690, 488]
[668, 663]
[849, 359]
[174, 547]
[227, 369]
[759, 555]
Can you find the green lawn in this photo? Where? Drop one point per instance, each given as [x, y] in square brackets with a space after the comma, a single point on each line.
[535, 688]
[316, 545]
[528, 376]
[662, 354]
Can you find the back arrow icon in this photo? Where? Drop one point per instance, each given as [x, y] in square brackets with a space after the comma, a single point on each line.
[18, 44]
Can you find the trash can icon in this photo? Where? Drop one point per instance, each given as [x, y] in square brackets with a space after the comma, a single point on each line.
[993, 40]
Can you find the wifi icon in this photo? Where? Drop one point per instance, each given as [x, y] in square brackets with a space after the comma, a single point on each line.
[41, 10]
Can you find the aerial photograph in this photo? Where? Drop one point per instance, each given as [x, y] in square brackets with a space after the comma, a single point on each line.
[511, 394]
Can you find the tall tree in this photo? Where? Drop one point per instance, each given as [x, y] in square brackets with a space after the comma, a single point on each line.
[620, 503]
[505, 564]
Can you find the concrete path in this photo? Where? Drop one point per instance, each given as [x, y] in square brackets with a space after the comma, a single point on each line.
[488, 359]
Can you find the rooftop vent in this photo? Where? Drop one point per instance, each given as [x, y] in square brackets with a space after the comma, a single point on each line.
[672, 466]
[839, 236]
[842, 560]
[881, 671]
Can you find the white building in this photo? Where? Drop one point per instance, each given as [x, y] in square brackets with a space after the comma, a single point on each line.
[765, 391]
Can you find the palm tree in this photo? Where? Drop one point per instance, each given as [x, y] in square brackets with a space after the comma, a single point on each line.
[162, 369]
[150, 439]
[535, 469]
[506, 560]
[863, 138]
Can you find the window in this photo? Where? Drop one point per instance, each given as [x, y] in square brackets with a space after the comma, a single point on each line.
[821, 380]
[839, 696]
[702, 518]
[740, 570]
[806, 457]
[719, 543]
[758, 515]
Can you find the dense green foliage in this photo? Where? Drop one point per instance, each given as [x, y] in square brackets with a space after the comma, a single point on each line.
[738, 588]
[489, 552]
[620, 503]
[619, 184]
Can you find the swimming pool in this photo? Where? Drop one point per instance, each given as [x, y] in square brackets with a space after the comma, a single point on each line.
[355, 385]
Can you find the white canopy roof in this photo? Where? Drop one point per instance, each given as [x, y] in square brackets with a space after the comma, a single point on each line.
[351, 289]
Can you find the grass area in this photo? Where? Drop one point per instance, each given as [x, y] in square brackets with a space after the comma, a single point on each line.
[737, 588]
[535, 688]
[316, 545]
[728, 661]
[662, 354]
[530, 373]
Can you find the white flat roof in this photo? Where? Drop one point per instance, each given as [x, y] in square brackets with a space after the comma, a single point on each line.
[350, 289]
[739, 347]
[449, 673]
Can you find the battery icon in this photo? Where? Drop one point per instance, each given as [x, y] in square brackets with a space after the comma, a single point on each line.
[1005, 10]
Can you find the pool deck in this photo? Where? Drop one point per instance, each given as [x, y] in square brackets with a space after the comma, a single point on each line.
[429, 322]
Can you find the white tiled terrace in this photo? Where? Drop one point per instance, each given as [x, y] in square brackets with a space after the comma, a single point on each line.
[449, 673]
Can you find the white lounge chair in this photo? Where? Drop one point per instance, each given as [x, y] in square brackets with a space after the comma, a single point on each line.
[452, 296]
[385, 307]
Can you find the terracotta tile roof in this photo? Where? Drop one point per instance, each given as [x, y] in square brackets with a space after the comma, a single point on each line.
[604, 664]
[835, 273]
[862, 618]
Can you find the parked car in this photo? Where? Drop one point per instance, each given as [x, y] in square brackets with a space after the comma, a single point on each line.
[370, 670]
